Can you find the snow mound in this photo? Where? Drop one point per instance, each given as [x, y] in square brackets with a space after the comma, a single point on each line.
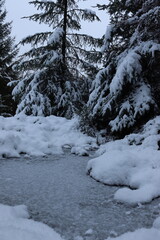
[134, 162]
[156, 223]
[39, 136]
[140, 234]
[143, 233]
[15, 225]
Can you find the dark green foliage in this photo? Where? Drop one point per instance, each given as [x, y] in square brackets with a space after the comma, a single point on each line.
[7, 54]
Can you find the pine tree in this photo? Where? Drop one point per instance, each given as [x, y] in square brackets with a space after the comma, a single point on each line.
[7, 54]
[125, 93]
[60, 61]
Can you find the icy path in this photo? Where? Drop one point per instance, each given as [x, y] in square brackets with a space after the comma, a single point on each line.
[59, 193]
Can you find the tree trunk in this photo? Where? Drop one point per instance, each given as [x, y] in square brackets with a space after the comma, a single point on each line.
[64, 31]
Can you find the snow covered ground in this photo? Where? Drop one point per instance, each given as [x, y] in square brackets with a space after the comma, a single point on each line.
[133, 162]
[14, 225]
[38, 136]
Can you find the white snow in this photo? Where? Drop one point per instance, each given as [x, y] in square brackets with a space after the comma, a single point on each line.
[56, 36]
[128, 63]
[14, 225]
[107, 39]
[126, 67]
[137, 103]
[39, 136]
[142, 234]
[134, 162]
[89, 232]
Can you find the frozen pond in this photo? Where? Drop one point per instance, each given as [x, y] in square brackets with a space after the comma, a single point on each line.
[58, 192]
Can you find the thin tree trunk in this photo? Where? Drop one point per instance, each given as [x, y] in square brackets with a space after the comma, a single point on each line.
[64, 31]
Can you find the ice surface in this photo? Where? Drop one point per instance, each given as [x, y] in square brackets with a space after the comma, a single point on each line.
[57, 192]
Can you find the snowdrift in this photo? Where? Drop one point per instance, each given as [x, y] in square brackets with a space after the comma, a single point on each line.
[40, 136]
[15, 225]
[142, 233]
[133, 162]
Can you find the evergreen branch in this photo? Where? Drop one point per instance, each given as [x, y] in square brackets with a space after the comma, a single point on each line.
[36, 38]
[49, 17]
[35, 52]
[102, 6]
[85, 14]
[46, 5]
[73, 23]
[85, 39]
[91, 55]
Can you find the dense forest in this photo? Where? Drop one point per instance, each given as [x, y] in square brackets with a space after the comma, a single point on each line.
[112, 82]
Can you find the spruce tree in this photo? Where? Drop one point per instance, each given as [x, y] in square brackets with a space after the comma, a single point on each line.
[125, 93]
[59, 63]
[7, 54]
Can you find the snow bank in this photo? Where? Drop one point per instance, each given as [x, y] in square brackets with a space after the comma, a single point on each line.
[134, 162]
[143, 233]
[15, 225]
[38, 136]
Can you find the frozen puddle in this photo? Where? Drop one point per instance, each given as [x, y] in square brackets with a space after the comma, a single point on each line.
[58, 192]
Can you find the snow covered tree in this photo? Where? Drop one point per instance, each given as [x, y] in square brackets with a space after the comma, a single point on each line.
[7, 54]
[59, 62]
[125, 93]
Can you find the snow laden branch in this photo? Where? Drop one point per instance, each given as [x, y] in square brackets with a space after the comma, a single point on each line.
[131, 55]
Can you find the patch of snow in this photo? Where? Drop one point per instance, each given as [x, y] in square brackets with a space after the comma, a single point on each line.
[108, 37]
[15, 225]
[56, 36]
[78, 238]
[81, 151]
[113, 233]
[126, 67]
[143, 233]
[134, 162]
[89, 232]
[38, 136]
[137, 104]
[156, 223]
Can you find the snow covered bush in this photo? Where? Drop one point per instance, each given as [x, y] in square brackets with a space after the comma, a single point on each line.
[124, 93]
